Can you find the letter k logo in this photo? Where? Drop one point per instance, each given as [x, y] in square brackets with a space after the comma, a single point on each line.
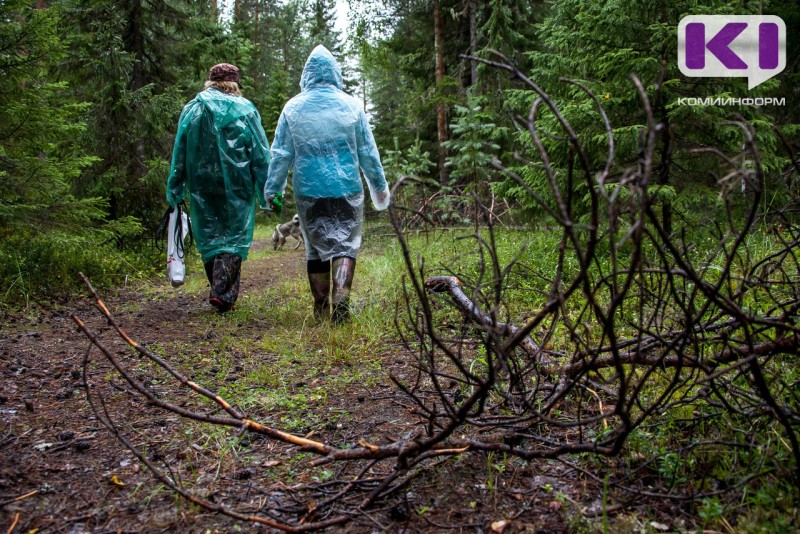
[719, 45]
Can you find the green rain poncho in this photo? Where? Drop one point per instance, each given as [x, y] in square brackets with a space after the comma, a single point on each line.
[222, 153]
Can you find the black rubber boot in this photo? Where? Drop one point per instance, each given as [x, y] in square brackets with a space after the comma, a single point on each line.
[319, 278]
[343, 270]
[224, 275]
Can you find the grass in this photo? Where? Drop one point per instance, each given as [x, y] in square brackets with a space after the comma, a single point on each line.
[284, 369]
[40, 270]
[274, 360]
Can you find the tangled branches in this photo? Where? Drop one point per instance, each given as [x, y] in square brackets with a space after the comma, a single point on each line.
[642, 331]
[641, 335]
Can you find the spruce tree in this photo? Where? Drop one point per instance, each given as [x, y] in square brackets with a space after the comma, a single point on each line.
[600, 44]
[39, 159]
[47, 234]
[321, 22]
[137, 63]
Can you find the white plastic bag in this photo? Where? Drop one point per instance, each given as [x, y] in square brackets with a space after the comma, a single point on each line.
[176, 266]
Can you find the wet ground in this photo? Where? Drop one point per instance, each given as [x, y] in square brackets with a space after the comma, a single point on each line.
[62, 471]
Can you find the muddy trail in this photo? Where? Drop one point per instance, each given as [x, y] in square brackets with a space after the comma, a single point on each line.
[62, 471]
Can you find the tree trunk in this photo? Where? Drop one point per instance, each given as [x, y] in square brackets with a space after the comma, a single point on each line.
[136, 30]
[441, 110]
[255, 25]
[473, 40]
[363, 89]
[214, 16]
[255, 38]
[663, 174]
[136, 39]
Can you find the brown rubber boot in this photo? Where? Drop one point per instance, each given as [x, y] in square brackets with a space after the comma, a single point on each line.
[321, 289]
[343, 270]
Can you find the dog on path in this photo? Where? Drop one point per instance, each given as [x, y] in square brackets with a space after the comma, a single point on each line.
[287, 229]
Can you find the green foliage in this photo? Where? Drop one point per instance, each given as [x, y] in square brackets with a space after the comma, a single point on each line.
[396, 61]
[39, 159]
[136, 63]
[507, 27]
[600, 45]
[321, 30]
[473, 143]
[278, 93]
[47, 231]
[278, 37]
[411, 162]
[44, 267]
[710, 510]
[275, 36]
[401, 107]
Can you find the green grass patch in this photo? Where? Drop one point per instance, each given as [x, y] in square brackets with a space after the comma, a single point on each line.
[282, 367]
[44, 268]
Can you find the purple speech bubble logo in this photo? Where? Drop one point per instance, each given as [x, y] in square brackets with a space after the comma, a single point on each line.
[724, 46]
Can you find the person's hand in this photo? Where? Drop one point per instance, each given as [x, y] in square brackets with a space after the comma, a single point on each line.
[275, 203]
[380, 199]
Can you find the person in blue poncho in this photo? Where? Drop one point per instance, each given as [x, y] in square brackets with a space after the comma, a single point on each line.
[323, 135]
[221, 155]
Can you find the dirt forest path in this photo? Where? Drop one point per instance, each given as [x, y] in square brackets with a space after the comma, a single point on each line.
[61, 471]
[54, 458]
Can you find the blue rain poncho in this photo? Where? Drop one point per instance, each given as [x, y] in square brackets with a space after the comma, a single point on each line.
[222, 154]
[324, 136]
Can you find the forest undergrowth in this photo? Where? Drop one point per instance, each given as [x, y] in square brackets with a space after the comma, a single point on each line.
[335, 385]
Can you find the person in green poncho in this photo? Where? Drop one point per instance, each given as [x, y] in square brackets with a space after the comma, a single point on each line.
[221, 156]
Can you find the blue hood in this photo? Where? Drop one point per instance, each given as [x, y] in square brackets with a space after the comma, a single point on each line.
[321, 69]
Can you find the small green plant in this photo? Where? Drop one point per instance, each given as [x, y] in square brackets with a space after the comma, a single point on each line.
[710, 510]
[669, 466]
[324, 475]
[494, 470]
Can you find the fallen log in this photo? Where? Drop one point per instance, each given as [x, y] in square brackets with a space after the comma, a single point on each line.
[452, 285]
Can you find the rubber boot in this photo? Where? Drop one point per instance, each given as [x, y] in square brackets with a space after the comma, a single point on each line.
[343, 270]
[321, 289]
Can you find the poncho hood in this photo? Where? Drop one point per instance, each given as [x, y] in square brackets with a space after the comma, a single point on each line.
[321, 69]
[223, 107]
